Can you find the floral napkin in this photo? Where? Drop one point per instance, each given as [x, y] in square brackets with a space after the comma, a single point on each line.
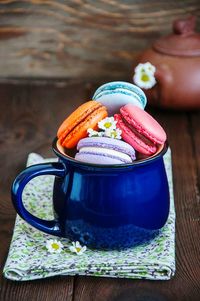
[29, 257]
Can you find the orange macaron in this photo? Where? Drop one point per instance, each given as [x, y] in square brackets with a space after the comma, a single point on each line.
[75, 126]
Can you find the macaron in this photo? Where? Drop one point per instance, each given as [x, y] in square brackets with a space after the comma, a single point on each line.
[75, 126]
[140, 129]
[114, 95]
[104, 150]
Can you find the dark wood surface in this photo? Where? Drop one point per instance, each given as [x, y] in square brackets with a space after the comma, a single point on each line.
[29, 116]
[82, 39]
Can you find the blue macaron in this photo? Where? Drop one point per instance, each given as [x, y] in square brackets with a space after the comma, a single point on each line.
[114, 95]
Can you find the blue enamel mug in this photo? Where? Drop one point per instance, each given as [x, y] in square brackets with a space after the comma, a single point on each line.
[101, 206]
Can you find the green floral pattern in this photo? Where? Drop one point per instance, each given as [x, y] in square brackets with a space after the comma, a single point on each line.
[29, 258]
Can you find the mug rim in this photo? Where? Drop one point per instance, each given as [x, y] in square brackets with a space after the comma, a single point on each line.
[124, 165]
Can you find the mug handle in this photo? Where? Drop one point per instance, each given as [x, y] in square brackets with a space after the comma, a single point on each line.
[56, 169]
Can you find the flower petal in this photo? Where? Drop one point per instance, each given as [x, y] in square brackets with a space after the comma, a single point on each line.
[115, 134]
[144, 80]
[78, 244]
[54, 246]
[146, 67]
[107, 123]
[84, 248]
[72, 249]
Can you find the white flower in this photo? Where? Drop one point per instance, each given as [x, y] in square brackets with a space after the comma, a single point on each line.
[144, 75]
[146, 67]
[93, 133]
[144, 80]
[77, 248]
[149, 67]
[116, 133]
[107, 123]
[54, 246]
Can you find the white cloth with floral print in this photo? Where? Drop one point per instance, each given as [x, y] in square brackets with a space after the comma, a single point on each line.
[29, 258]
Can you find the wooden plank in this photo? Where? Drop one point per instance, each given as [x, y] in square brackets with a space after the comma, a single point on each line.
[82, 39]
[57, 288]
[194, 122]
[185, 285]
[29, 118]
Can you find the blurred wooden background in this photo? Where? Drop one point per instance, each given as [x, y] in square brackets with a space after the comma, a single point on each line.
[79, 39]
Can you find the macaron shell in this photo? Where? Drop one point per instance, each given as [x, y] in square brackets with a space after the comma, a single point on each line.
[97, 159]
[115, 99]
[143, 123]
[106, 152]
[76, 117]
[133, 139]
[112, 86]
[80, 130]
[107, 143]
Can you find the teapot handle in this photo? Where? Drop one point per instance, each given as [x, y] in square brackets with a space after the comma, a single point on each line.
[56, 169]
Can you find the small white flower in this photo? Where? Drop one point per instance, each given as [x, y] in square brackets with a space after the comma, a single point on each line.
[107, 123]
[77, 248]
[151, 68]
[116, 133]
[144, 80]
[93, 133]
[146, 67]
[54, 246]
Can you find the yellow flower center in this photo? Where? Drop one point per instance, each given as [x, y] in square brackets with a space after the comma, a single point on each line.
[55, 246]
[145, 77]
[78, 249]
[107, 125]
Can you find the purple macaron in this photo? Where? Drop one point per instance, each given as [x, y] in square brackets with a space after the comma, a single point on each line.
[104, 150]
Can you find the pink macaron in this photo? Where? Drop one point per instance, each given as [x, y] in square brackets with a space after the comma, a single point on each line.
[140, 129]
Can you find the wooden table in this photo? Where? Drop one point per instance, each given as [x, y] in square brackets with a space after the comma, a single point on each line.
[30, 115]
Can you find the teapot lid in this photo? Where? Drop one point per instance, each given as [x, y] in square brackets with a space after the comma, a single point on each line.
[184, 41]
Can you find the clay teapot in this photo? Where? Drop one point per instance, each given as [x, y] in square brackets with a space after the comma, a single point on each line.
[177, 61]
